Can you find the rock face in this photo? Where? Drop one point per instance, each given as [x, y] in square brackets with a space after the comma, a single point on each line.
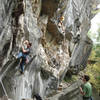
[71, 93]
[53, 51]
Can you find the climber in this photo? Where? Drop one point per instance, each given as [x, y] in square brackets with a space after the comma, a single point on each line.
[23, 54]
[60, 23]
[37, 97]
[86, 91]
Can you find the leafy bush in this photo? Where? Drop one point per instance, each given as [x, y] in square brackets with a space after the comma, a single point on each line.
[93, 70]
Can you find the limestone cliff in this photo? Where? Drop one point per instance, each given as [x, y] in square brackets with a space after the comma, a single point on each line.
[53, 51]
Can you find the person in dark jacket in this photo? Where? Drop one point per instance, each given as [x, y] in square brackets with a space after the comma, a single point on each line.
[37, 97]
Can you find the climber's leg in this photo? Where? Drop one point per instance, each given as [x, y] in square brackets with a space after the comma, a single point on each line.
[22, 63]
[19, 55]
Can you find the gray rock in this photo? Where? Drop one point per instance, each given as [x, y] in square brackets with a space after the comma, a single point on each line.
[53, 50]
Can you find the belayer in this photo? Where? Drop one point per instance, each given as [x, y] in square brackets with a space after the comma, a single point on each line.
[86, 90]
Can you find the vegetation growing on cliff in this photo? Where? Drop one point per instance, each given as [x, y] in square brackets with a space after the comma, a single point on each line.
[93, 68]
[94, 71]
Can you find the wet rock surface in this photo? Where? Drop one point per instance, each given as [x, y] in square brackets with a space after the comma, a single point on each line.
[53, 51]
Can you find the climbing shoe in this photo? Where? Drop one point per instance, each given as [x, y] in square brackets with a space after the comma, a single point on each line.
[21, 72]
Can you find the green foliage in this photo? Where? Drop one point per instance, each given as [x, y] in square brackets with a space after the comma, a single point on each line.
[71, 79]
[98, 38]
[96, 11]
[97, 51]
[93, 70]
[93, 54]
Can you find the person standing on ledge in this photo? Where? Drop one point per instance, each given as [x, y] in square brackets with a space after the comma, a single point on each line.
[86, 91]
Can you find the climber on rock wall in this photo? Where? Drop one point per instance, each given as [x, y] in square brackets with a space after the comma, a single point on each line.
[60, 23]
[23, 54]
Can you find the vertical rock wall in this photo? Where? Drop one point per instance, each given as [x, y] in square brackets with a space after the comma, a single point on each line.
[53, 51]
